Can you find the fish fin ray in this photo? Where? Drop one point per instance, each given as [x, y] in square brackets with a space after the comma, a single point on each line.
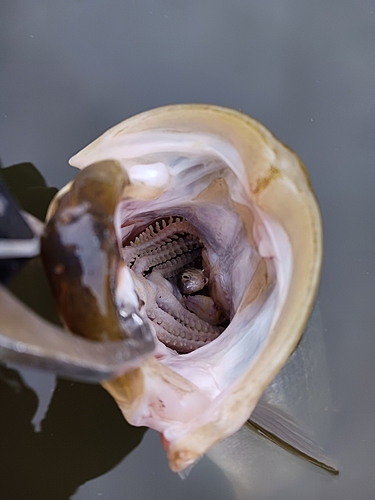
[280, 428]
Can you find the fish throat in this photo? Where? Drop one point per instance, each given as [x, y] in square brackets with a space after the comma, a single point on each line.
[168, 258]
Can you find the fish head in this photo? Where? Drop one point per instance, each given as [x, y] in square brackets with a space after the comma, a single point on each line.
[209, 189]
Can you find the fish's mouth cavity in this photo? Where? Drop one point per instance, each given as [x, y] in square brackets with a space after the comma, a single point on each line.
[168, 259]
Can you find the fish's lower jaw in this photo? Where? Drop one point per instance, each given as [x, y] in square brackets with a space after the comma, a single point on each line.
[180, 459]
[184, 451]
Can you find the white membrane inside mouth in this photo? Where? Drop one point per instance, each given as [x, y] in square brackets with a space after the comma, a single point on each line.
[151, 174]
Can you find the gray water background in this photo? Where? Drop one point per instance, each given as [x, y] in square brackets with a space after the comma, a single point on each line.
[70, 70]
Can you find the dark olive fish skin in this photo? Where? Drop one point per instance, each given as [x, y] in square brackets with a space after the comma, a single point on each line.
[80, 252]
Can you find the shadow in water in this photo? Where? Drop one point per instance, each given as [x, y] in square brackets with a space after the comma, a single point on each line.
[84, 433]
[82, 436]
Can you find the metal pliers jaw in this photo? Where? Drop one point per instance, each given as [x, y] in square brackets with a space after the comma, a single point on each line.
[26, 338]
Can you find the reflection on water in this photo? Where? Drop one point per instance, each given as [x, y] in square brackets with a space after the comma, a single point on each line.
[82, 436]
[17, 436]
[28, 188]
[301, 392]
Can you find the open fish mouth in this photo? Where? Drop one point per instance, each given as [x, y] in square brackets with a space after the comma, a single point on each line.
[169, 253]
[218, 245]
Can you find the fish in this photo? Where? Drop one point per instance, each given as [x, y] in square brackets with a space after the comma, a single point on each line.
[196, 197]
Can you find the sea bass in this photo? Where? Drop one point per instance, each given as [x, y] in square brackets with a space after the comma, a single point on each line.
[201, 222]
